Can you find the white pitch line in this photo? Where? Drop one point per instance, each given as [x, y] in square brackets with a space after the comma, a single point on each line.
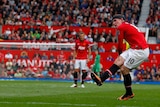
[47, 103]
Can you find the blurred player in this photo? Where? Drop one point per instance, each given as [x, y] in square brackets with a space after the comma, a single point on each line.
[128, 59]
[82, 54]
[97, 65]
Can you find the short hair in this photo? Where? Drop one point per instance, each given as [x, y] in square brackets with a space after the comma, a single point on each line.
[81, 32]
[118, 16]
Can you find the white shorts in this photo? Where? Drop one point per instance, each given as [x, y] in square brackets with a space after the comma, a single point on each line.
[134, 57]
[80, 64]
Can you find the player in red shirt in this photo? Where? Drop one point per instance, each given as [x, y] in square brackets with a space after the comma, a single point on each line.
[127, 59]
[82, 53]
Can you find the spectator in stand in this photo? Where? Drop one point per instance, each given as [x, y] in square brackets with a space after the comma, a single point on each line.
[7, 32]
[139, 76]
[44, 72]
[10, 73]
[71, 56]
[38, 73]
[44, 56]
[24, 55]
[1, 57]
[157, 50]
[24, 36]
[29, 72]
[113, 49]
[54, 64]
[146, 75]
[74, 33]
[57, 74]
[31, 29]
[157, 75]
[37, 56]
[137, 73]
[109, 37]
[67, 67]
[27, 29]
[158, 39]
[152, 75]
[15, 65]
[22, 66]
[42, 36]
[8, 55]
[49, 22]
[60, 66]
[63, 75]
[50, 73]
[12, 35]
[23, 72]
[96, 36]
[89, 37]
[66, 37]
[104, 33]
[21, 31]
[51, 57]
[9, 64]
[69, 74]
[95, 24]
[61, 57]
[102, 38]
[154, 59]
[103, 23]
[3, 70]
[35, 67]
[18, 74]
[36, 35]
[101, 49]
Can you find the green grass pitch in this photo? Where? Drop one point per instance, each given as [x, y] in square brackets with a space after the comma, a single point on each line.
[59, 94]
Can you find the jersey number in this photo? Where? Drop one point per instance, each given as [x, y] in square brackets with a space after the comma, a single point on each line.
[131, 61]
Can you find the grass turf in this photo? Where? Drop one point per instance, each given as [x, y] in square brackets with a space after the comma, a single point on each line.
[59, 94]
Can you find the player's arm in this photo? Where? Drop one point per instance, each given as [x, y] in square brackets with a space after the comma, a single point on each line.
[120, 41]
[74, 53]
[89, 52]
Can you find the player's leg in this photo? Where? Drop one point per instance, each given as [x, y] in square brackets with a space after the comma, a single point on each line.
[84, 72]
[84, 75]
[109, 72]
[75, 74]
[134, 59]
[127, 84]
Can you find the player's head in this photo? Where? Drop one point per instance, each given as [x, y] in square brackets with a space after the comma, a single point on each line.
[96, 51]
[117, 20]
[81, 35]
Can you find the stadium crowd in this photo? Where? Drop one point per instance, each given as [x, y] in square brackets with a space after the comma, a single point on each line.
[97, 13]
[153, 20]
[81, 13]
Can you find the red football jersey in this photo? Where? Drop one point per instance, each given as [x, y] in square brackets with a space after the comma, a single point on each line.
[81, 48]
[132, 35]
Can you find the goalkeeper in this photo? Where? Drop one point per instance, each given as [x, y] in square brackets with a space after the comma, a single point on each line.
[97, 65]
[128, 59]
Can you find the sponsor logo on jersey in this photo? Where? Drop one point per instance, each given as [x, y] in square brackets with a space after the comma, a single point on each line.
[81, 48]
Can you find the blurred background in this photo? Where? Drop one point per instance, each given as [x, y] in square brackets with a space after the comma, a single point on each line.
[37, 36]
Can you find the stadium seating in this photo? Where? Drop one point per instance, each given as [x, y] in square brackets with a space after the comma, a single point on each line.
[49, 15]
